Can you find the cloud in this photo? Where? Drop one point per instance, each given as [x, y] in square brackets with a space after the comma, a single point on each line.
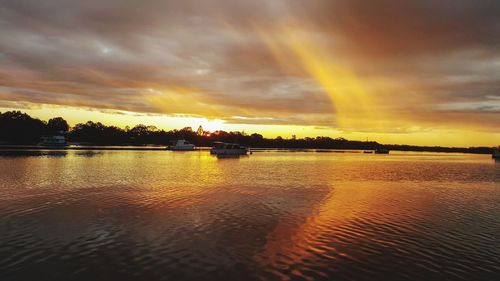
[418, 61]
[392, 28]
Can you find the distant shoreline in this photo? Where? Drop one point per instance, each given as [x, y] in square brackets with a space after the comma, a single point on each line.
[19, 131]
[163, 147]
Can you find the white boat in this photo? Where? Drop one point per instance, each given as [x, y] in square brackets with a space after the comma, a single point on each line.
[496, 153]
[53, 141]
[224, 148]
[181, 145]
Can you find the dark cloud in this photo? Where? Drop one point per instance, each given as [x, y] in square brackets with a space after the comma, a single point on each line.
[394, 28]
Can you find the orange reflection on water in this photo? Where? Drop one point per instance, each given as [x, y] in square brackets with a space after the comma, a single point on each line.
[337, 223]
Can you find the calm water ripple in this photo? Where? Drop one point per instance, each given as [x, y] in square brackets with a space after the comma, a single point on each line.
[160, 215]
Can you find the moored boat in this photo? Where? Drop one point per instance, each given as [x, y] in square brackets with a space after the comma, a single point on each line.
[181, 145]
[224, 148]
[496, 153]
[381, 150]
[53, 141]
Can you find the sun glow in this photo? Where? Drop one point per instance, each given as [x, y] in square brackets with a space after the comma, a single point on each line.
[211, 125]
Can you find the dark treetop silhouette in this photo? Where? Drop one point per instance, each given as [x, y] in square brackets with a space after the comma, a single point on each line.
[21, 129]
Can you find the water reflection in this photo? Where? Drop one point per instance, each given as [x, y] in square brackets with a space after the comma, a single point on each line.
[88, 153]
[49, 153]
[229, 156]
[33, 153]
[156, 215]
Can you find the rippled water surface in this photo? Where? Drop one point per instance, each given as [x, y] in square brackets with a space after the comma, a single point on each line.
[160, 215]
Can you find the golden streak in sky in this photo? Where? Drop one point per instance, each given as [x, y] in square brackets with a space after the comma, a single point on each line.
[354, 107]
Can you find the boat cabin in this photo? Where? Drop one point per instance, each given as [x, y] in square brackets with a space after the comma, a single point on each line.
[225, 145]
[53, 140]
[181, 145]
[224, 148]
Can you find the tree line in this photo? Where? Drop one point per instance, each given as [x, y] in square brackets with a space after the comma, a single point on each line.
[19, 128]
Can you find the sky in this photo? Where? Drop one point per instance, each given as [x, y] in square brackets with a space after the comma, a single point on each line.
[403, 72]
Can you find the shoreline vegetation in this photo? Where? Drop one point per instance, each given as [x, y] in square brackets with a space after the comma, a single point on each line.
[18, 130]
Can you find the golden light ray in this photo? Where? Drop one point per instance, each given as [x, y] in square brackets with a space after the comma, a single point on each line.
[354, 107]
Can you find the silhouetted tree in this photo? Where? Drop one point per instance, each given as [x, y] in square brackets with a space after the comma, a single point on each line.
[57, 124]
[19, 128]
[200, 131]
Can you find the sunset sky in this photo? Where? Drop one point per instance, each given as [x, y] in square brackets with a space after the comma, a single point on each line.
[414, 72]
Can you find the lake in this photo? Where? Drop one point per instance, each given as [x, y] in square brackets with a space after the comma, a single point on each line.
[274, 215]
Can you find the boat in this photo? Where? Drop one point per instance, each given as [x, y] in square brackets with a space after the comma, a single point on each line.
[181, 145]
[496, 153]
[53, 141]
[224, 148]
[381, 150]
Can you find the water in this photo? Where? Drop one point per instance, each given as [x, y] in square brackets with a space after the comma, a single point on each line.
[160, 215]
